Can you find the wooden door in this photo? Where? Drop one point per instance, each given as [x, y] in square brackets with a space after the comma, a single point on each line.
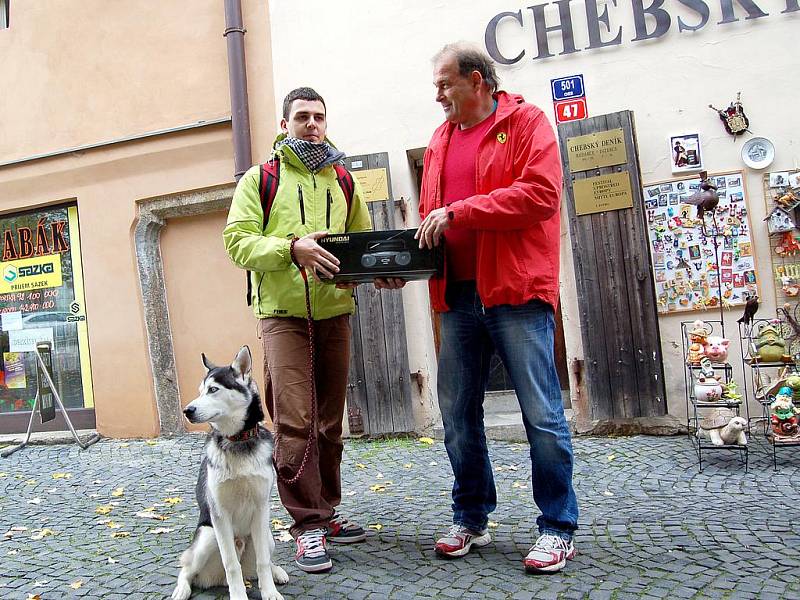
[624, 370]
[379, 390]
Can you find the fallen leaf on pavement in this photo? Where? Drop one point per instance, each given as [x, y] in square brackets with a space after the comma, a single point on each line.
[124, 445]
[61, 475]
[42, 533]
[520, 484]
[279, 525]
[376, 527]
[76, 584]
[41, 583]
[350, 493]
[492, 525]
[408, 498]
[608, 493]
[33, 597]
[612, 456]
[506, 468]
[407, 466]
[378, 487]
[120, 491]
[120, 534]
[30, 482]
[379, 476]
[158, 530]
[146, 514]
[35, 501]
[12, 552]
[103, 509]
[284, 536]
[433, 463]
[113, 525]
[426, 440]
[175, 500]
[3, 475]
[361, 466]
[111, 561]
[151, 442]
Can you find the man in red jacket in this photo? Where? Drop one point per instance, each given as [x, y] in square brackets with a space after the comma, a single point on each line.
[492, 187]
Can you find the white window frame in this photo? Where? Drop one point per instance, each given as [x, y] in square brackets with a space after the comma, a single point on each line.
[4, 14]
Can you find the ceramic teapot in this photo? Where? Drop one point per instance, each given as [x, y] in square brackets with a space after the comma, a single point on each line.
[707, 389]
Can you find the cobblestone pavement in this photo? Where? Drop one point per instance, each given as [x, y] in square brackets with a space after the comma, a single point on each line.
[651, 525]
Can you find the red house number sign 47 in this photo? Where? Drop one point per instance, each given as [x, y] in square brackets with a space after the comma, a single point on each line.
[572, 109]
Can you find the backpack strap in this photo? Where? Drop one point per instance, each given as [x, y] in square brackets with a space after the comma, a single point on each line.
[345, 179]
[268, 179]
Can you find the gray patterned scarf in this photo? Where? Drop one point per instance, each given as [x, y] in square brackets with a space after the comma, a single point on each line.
[314, 156]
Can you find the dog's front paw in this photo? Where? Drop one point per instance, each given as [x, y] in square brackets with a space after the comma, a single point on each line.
[273, 595]
[182, 591]
[279, 576]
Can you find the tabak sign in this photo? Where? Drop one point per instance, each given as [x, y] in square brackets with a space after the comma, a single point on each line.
[31, 257]
[651, 20]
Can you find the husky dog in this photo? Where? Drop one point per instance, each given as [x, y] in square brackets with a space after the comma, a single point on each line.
[233, 539]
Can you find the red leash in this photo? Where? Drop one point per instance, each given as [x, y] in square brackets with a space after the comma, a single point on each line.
[312, 434]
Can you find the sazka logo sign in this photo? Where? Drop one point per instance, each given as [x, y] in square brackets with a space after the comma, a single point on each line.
[10, 273]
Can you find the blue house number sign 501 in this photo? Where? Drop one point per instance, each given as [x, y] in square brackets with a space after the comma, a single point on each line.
[567, 87]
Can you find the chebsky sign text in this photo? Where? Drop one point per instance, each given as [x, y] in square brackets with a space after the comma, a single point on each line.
[649, 22]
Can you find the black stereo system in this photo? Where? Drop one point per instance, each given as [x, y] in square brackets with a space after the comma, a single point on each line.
[366, 255]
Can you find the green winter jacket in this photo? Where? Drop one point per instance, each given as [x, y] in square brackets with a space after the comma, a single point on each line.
[263, 249]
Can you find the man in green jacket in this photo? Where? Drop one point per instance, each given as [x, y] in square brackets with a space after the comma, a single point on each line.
[308, 205]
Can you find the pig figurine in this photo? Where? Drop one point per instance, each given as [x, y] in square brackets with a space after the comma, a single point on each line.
[716, 349]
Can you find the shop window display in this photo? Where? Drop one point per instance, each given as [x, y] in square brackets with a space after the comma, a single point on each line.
[41, 299]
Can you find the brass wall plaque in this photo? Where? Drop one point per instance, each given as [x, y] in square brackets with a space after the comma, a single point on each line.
[595, 150]
[602, 193]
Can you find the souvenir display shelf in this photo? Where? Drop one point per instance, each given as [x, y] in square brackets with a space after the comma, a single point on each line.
[697, 409]
[690, 261]
[785, 257]
[766, 377]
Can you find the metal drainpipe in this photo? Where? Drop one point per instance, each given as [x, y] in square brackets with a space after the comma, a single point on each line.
[237, 78]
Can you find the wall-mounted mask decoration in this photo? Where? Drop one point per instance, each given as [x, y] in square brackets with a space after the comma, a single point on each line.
[733, 117]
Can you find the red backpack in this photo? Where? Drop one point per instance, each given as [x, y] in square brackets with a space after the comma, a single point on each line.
[269, 176]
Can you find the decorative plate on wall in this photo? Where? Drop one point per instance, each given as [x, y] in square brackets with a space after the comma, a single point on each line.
[758, 153]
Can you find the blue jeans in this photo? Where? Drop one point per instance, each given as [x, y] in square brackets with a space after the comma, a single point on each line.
[523, 338]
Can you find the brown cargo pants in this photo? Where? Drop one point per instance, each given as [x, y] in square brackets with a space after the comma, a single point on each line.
[311, 500]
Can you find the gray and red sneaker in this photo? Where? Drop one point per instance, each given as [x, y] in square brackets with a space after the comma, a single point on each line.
[343, 531]
[549, 554]
[459, 540]
[312, 554]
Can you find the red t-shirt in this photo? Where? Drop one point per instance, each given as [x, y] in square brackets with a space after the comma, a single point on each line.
[459, 182]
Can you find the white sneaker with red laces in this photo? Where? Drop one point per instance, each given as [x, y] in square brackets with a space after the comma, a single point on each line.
[549, 554]
[312, 554]
[459, 540]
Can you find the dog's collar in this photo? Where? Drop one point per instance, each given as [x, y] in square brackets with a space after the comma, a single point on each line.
[244, 435]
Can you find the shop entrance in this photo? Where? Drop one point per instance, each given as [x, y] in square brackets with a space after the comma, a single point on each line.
[41, 300]
[623, 369]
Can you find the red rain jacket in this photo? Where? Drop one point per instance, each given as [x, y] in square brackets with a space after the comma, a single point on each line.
[515, 211]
